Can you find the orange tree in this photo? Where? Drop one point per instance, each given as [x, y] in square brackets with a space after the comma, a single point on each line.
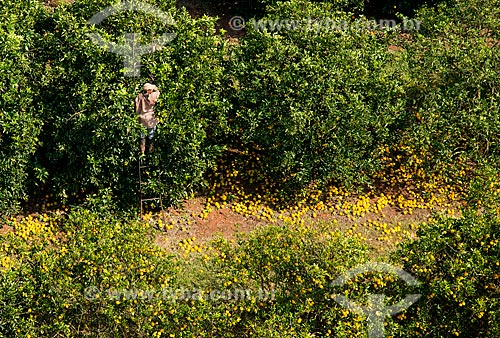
[457, 262]
[453, 85]
[80, 274]
[339, 5]
[318, 99]
[91, 132]
[323, 96]
[19, 122]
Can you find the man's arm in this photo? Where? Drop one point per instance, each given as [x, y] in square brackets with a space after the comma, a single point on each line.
[136, 105]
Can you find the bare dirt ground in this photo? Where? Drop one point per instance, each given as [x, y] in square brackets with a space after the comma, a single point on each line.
[380, 231]
[223, 223]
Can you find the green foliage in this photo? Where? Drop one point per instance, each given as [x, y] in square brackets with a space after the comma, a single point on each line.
[337, 5]
[91, 273]
[391, 8]
[94, 274]
[19, 122]
[66, 276]
[315, 104]
[291, 268]
[457, 262]
[319, 101]
[91, 136]
[453, 65]
[76, 112]
[193, 110]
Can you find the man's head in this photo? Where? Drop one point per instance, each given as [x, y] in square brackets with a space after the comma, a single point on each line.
[148, 87]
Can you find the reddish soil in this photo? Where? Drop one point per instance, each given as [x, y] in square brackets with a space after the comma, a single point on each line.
[222, 223]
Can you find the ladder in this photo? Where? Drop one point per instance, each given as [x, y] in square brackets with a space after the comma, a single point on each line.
[143, 199]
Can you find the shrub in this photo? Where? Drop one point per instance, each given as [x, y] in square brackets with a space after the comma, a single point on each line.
[452, 90]
[90, 136]
[336, 5]
[80, 276]
[317, 102]
[289, 270]
[19, 122]
[457, 262]
[320, 102]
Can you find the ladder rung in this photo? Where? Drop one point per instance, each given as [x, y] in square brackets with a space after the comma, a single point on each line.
[142, 183]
